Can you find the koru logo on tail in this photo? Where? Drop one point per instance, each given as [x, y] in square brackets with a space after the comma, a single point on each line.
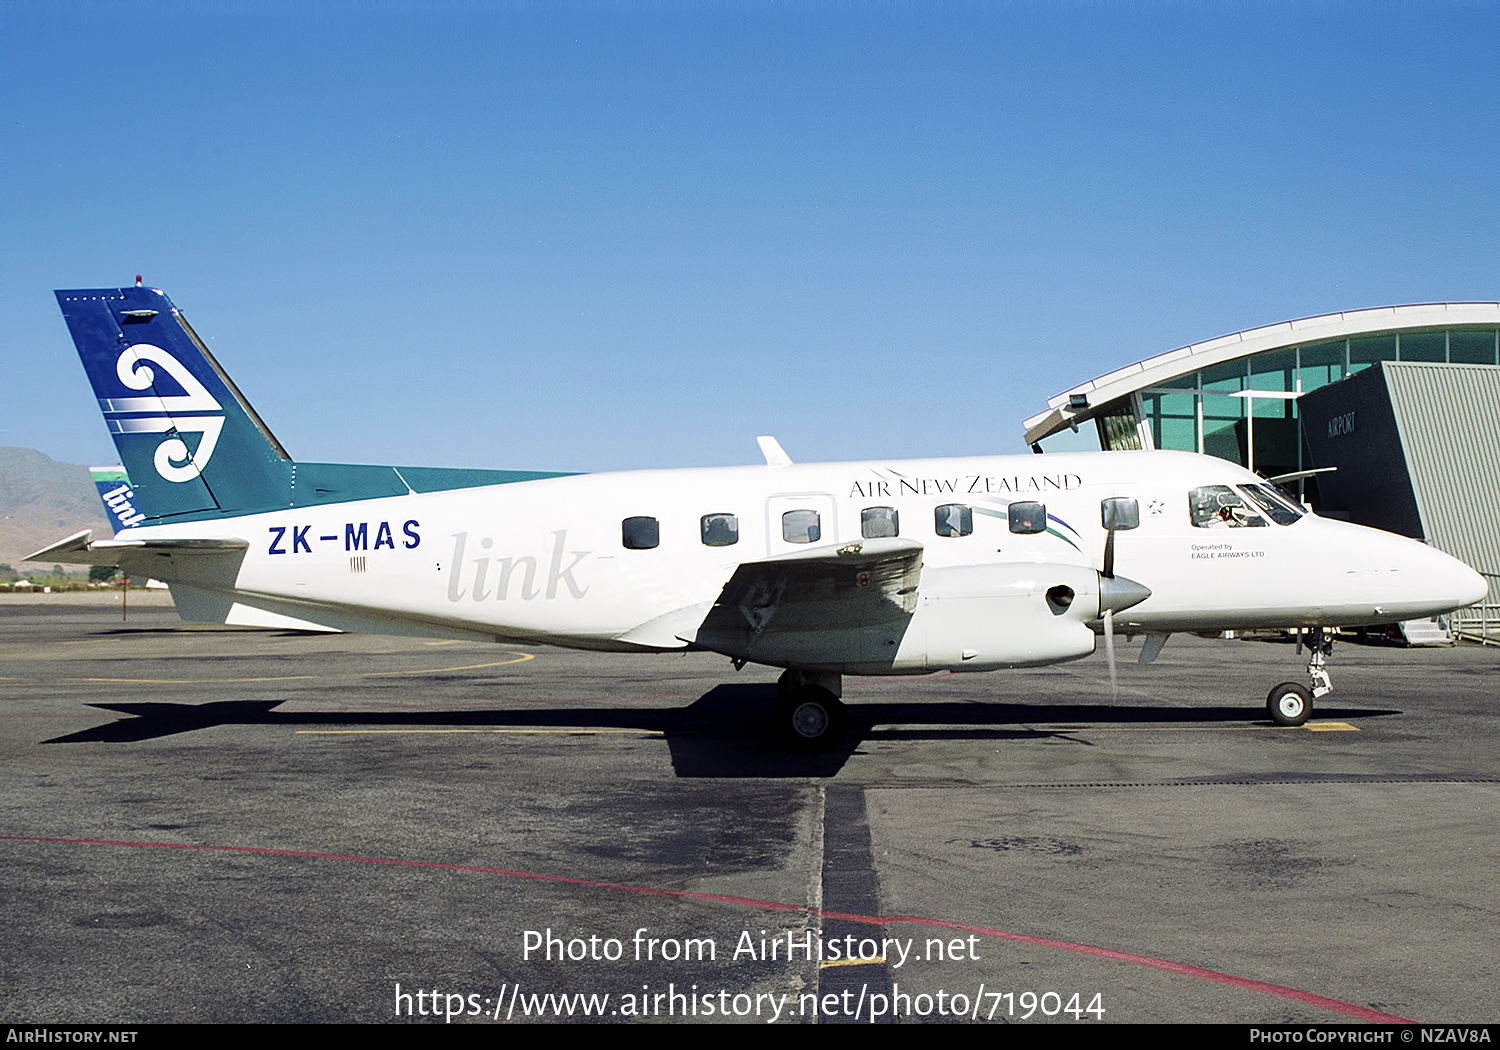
[177, 414]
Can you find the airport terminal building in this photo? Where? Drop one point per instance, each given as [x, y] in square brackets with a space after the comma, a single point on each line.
[1403, 400]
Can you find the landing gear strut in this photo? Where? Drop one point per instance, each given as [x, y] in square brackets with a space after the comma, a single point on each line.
[807, 705]
[1291, 704]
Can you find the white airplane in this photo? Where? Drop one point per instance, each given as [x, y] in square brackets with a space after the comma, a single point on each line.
[877, 568]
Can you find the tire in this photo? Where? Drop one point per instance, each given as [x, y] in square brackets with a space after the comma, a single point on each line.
[1289, 704]
[810, 715]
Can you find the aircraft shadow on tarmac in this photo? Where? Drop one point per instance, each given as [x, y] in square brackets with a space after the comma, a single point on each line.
[730, 731]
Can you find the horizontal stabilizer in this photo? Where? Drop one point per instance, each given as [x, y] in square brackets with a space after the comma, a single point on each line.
[78, 550]
[214, 546]
[75, 543]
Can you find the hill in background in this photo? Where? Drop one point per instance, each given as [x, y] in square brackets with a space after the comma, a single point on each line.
[42, 501]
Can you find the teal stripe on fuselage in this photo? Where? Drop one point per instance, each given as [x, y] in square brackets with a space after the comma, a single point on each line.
[324, 484]
[441, 479]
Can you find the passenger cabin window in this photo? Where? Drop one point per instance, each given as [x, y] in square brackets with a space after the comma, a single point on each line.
[720, 530]
[1028, 518]
[801, 526]
[1221, 507]
[877, 523]
[953, 519]
[640, 534]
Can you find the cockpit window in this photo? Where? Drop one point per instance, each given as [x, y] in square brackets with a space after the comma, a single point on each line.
[1221, 507]
[1281, 510]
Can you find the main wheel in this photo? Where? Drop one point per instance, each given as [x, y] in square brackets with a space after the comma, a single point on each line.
[810, 714]
[1289, 704]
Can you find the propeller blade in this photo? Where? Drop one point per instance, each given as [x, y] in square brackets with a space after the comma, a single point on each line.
[1109, 651]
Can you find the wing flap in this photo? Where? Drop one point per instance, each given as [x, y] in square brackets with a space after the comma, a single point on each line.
[826, 605]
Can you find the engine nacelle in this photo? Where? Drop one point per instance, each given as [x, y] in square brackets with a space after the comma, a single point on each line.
[982, 617]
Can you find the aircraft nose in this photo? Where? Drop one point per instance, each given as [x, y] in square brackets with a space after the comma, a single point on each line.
[1402, 578]
[1450, 582]
[1468, 586]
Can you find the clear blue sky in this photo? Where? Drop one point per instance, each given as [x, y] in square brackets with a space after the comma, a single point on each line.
[603, 236]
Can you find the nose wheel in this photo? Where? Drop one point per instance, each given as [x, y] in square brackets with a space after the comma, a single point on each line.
[1290, 704]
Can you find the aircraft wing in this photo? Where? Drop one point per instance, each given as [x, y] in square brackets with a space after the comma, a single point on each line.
[78, 550]
[837, 604]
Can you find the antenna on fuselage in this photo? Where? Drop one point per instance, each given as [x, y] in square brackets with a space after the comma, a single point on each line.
[771, 448]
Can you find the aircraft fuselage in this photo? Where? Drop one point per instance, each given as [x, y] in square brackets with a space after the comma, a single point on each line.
[548, 560]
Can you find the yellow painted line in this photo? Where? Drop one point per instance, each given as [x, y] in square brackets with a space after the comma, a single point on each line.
[568, 732]
[1316, 727]
[879, 959]
[516, 658]
[520, 658]
[199, 681]
[1161, 729]
[450, 641]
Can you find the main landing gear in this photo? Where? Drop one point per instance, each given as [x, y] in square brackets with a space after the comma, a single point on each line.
[807, 705]
[1291, 704]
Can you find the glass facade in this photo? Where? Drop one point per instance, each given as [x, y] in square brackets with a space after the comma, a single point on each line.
[1245, 410]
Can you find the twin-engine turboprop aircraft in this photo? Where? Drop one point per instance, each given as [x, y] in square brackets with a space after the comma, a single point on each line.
[890, 567]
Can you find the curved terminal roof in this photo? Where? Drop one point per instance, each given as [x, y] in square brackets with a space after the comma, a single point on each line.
[1168, 366]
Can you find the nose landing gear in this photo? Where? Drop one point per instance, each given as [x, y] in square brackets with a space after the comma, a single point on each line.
[1291, 704]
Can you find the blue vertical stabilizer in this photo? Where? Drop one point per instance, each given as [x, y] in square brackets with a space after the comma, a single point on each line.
[189, 441]
[190, 444]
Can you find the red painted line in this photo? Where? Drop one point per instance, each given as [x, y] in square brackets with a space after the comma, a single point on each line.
[1310, 998]
[1182, 969]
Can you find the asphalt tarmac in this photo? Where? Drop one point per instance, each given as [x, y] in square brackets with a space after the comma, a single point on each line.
[208, 824]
